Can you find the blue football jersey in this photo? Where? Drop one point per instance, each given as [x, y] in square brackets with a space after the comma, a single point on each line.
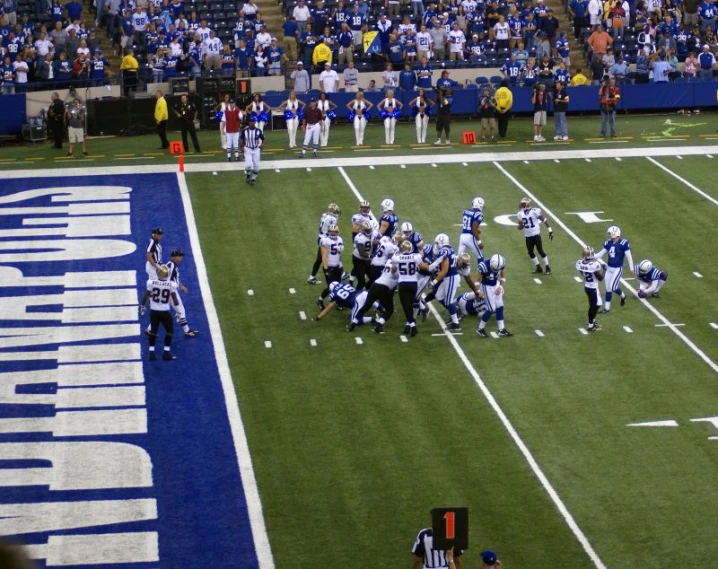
[447, 251]
[616, 252]
[489, 277]
[391, 220]
[653, 275]
[343, 295]
[428, 252]
[415, 238]
[472, 304]
[468, 217]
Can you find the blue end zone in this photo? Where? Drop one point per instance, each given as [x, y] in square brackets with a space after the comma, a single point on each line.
[195, 488]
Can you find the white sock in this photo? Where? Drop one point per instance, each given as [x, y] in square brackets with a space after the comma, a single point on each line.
[500, 324]
[535, 261]
[545, 260]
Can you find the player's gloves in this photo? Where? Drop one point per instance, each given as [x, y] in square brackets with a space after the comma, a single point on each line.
[499, 290]
[143, 309]
[550, 234]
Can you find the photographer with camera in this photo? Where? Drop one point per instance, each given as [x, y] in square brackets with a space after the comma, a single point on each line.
[487, 114]
[539, 98]
[75, 114]
[444, 99]
[609, 94]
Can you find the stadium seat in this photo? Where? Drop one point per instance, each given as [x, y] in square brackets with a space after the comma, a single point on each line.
[481, 80]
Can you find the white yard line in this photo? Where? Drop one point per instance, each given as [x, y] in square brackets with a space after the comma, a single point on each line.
[683, 180]
[686, 340]
[538, 472]
[241, 447]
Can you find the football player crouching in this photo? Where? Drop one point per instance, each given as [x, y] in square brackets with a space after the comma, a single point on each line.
[650, 279]
[471, 304]
[492, 276]
[345, 296]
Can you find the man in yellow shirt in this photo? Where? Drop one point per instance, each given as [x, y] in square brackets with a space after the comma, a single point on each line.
[161, 116]
[322, 54]
[579, 80]
[129, 67]
[504, 101]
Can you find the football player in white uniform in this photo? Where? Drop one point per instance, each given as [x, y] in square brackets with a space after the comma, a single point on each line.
[492, 276]
[331, 248]
[530, 220]
[364, 214]
[471, 220]
[407, 264]
[329, 218]
[381, 291]
[362, 253]
[385, 249]
[592, 272]
[161, 291]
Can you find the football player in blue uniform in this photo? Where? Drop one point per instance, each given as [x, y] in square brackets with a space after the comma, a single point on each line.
[413, 237]
[592, 272]
[650, 279]
[471, 220]
[618, 249]
[388, 219]
[345, 296]
[470, 304]
[492, 276]
[425, 277]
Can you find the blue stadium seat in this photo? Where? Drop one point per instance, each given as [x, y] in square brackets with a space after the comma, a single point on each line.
[481, 80]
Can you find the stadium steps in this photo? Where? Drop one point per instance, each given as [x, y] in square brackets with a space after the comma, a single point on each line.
[105, 41]
[272, 14]
[578, 57]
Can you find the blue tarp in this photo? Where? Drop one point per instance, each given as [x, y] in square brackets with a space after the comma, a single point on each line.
[12, 114]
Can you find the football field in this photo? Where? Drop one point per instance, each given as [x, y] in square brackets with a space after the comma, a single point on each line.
[571, 450]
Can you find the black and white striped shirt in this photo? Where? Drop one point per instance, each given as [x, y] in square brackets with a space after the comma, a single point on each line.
[174, 271]
[423, 547]
[252, 137]
[155, 248]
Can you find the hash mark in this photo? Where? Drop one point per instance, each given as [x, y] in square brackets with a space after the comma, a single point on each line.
[539, 333]
[697, 275]
[403, 338]
[628, 330]
[714, 326]
[583, 331]
[267, 344]
[250, 292]
[313, 343]
[302, 315]
[577, 279]
[537, 281]
[359, 341]
[494, 335]
[587, 159]
[292, 291]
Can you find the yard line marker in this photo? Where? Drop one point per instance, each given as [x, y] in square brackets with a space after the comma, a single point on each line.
[123, 155]
[313, 343]
[309, 169]
[539, 333]
[292, 291]
[686, 340]
[433, 165]
[629, 279]
[31, 159]
[241, 447]
[697, 275]
[526, 162]
[667, 423]
[609, 142]
[628, 330]
[250, 292]
[371, 167]
[667, 325]
[136, 158]
[449, 333]
[583, 331]
[302, 315]
[538, 472]
[537, 281]
[358, 340]
[403, 165]
[587, 159]
[267, 344]
[494, 335]
[403, 338]
[714, 326]
[464, 164]
[557, 161]
[618, 159]
[578, 279]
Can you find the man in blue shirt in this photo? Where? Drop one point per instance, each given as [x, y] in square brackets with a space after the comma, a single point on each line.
[243, 56]
[424, 75]
[578, 10]
[661, 69]
[707, 14]
[345, 39]
[407, 78]
[445, 82]
[394, 50]
[707, 61]
[290, 29]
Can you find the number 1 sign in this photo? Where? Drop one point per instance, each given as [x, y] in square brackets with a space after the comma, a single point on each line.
[450, 527]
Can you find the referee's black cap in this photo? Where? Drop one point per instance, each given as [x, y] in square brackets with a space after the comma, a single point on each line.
[177, 253]
[157, 230]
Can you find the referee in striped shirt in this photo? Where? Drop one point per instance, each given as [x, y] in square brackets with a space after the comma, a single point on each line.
[153, 254]
[431, 558]
[251, 141]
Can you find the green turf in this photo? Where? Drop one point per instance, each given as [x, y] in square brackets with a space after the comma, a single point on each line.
[118, 151]
[352, 444]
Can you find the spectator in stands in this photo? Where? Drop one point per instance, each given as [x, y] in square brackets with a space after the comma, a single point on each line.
[661, 69]
[706, 60]
[21, 70]
[385, 28]
[549, 26]
[140, 23]
[707, 14]
[212, 48]
[608, 61]
[457, 43]
[129, 67]
[388, 77]
[328, 79]
[194, 57]
[290, 29]
[445, 82]
[617, 19]
[357, 24]
[579, 80]
[72, 43]
[321, 56]
[619, 71]
[83, 49]
[642, 63]
[7, 76]
[75, 115]
[301, 14]
[438, 40]
[595, 11]
[59, 37]
[599, 41]
[392, 7]
[263, 38]
[261, 62]
[501, 33]
[351, 78]
[45, 70]
[393, 50]
[690, 12]
[543, 48]
[578, 9]
[476, 51]
[302, 81]
[363, 8]
[407, 78]
[319, 17]
[609, 95]
[345, 42]
[81, 68]
[371, 88]
[250, 10]
[423, 43]
[529, 31]
[309, 43]
[276, 58]
[99, 69]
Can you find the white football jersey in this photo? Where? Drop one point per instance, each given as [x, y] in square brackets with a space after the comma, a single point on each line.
[161, 293]
[363, 246]
[384, 252]
[359, 217]
[588, 269]
[326, 220]
[407, 266]
[334, 250]
[387, 278]
[456, 39]
[531, 220]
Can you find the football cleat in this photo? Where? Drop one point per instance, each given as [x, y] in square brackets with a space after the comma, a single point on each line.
[482, 333]
[378, 329]
[548, 270]
[168, 357]
[593, 327]
[314, 154]
[351, 326]
[453, 326]
[320, 304]
[505, 333]
[623, 300]
[146, 331]
[153, 356]
[538, 270]
[191, 334]
[312, 280]
[407, 330]
[424, 313]
[414, 331]
[655, 295]
[605, 311]
[346, 276]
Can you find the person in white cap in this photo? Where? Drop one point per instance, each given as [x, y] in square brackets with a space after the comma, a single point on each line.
[300, 76]
[328, 79]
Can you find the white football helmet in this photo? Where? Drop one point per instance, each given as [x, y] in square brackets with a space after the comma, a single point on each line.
[387, 205]
[497, 263]
[442, 240]
[407, 229]
[645, 266]
[163, 272]
[333, 285]
[614, 231]
[478, 203]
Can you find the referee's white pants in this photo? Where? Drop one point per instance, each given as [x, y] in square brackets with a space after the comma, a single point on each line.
[467, 242]
[359, 128]
[151, 271]
[613, 278]
[422, 123]
[251, 159]
[232, 143]
[223, 133]
[446, 293]
[311, 135]
[389, 129]
[292, 126]
[326, 125]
